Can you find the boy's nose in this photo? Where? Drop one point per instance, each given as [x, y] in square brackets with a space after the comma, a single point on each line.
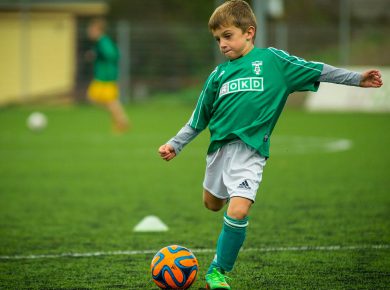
[222, 44]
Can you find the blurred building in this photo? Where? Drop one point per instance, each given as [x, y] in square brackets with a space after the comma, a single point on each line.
[39, 43]
[165, 45]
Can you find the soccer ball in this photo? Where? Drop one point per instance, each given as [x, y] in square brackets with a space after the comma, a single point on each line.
[174, 267]
[36, 121]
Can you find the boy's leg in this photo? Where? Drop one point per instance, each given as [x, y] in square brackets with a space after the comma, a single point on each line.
[232, 235]
[233, 174]
[211, 202]
[118, 115]
[239, 207]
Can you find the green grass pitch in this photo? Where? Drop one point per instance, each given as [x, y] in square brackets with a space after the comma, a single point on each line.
[77, 188]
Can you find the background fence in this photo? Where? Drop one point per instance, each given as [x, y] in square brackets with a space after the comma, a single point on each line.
[166, 46]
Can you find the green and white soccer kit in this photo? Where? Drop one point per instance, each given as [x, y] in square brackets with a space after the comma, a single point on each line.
[234, 170]
[242, 99]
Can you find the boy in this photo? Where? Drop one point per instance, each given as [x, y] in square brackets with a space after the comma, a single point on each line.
[240, 103]
[104, 89]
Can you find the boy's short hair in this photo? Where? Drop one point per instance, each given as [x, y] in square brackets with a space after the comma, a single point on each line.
[100, 22]
[233, 12]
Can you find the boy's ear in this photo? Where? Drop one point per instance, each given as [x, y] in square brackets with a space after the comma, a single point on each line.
[251, 31]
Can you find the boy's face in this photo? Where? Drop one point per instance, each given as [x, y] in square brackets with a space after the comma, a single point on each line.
[233, 42]
[94, 32]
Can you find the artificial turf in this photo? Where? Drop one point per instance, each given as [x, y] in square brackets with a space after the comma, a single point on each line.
[77, 188]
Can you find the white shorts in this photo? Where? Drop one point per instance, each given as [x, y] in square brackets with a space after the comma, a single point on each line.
[234, 170]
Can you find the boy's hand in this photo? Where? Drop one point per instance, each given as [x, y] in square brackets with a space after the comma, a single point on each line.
[167, 152]
[371, 79]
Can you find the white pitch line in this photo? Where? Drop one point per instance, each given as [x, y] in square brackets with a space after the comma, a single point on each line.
[147, 252]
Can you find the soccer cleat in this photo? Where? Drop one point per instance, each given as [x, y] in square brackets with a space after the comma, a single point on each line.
[216, 280]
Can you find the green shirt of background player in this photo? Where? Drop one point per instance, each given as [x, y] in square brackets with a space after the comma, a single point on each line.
[103, 89]
[241, 102]
[106, 62]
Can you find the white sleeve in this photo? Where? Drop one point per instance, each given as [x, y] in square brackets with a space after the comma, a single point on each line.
[331, 74]
[182, 138]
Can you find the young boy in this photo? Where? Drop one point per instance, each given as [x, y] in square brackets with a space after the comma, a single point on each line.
[104, 89]
[240, 103]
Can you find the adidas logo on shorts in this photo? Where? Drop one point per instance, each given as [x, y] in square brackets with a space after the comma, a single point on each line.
[244, 185]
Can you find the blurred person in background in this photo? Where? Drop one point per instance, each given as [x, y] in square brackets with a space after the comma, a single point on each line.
[103, 89]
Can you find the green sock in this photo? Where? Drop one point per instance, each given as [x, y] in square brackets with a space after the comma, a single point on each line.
[230, 240]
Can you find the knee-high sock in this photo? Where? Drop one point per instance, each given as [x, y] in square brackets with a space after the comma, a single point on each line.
[230, 240]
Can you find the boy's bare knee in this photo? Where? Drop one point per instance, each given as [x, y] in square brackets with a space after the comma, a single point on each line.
[238, 213]
[211, 202]
[212, 206]
[239, 207]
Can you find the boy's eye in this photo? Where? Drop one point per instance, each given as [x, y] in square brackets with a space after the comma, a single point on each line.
[217, 39]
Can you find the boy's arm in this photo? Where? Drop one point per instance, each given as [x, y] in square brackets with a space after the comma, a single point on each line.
[108, 49]
[182, 138]
[367, 79]
[197, 123]
[173, 147]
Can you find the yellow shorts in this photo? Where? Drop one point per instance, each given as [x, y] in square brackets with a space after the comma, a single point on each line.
[102, 92]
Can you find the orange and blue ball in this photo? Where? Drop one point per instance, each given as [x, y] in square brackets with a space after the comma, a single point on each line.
[174, 267]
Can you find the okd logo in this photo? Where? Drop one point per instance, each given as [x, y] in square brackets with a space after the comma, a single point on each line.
[242, 85]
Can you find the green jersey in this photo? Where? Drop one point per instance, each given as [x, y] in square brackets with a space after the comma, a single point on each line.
[106, 62]
[243, 98]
